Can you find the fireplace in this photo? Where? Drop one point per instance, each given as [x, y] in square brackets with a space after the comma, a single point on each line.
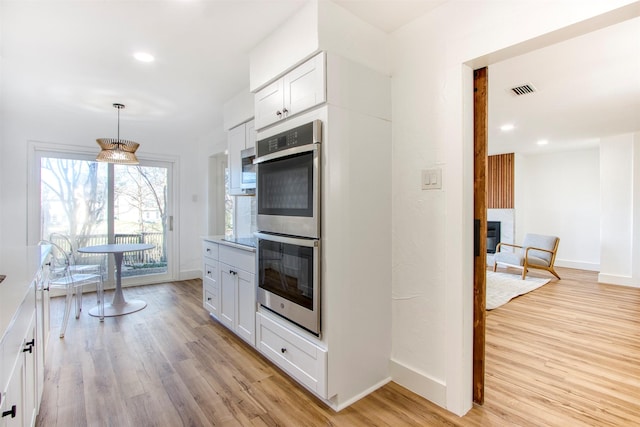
[493, 236]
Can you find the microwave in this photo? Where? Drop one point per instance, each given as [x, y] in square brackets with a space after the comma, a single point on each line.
[248, 177]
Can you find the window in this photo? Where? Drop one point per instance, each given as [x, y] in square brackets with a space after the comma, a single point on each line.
[97, 203]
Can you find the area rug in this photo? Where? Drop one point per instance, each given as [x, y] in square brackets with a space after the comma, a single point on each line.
[503, 287]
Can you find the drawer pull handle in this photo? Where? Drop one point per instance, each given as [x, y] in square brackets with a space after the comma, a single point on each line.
[208, 271]
[278, 113]
[12, 412]
[208, 249]
[29, 346]
[283, 350]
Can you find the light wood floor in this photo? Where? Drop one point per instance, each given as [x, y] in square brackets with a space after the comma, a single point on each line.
[567, 354]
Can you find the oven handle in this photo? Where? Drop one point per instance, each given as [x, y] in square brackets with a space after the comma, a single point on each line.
[310, 243]
[286, 153]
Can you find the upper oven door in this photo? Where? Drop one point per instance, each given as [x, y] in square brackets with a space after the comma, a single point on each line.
[288, 181]
[288, 193]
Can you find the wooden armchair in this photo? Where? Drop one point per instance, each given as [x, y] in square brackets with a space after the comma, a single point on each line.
[537, 251]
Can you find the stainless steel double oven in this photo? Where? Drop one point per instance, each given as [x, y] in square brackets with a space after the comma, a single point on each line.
[288, 220]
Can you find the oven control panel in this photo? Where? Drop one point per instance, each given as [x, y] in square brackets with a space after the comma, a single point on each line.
[302, 135]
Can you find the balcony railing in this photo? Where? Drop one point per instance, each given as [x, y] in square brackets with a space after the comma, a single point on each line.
[156, 255]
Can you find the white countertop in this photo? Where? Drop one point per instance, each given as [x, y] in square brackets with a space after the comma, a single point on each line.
[220, 240]
[19, 264]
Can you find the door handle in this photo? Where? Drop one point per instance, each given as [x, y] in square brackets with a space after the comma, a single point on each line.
[171, 223]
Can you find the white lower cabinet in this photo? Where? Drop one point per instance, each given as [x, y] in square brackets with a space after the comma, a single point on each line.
[19, 399]
[229, 288]
[302, 359]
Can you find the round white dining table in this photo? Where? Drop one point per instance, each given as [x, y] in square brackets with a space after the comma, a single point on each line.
[119, 305]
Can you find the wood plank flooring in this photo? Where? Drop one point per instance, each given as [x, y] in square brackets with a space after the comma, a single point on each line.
[567, 354]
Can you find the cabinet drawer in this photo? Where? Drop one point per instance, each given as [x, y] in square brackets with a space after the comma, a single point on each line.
[210, 249]
[300, 358]
[211, 270]
[238, 258]
[211, 298]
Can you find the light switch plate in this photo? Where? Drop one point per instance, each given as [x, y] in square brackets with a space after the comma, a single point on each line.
[431, 179]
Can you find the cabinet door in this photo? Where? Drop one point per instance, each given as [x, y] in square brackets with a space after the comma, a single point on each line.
[250, 134]
[246, 318]
[268, 104]
[13, 397]
[304, 87]
[236, 141]
[227, 296]
[42, 331]
[30, 362]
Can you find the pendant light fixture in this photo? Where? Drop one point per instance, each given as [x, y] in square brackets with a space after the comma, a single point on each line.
[117, 150]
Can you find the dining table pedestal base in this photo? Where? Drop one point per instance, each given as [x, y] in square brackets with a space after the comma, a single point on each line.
[110, 310]
[119, 306]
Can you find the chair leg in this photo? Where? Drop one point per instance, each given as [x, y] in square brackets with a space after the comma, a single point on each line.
[552, 271]
[524, 272]
[67, 311]
[78, 301]
[495, 265]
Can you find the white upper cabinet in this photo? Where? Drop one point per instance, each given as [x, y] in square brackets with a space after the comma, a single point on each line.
[239, 138]
[238, 109]
[299, 90]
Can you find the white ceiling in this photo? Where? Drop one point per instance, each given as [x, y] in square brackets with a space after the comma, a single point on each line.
[389, 15]
[75, 58]
[587, 88]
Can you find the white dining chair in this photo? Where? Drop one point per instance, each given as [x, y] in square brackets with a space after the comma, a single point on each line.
[62, 276]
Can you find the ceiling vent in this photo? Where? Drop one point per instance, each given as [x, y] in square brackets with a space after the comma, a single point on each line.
[523, 89]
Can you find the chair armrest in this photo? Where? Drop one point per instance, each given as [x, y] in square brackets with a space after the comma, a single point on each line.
[537, 249]
[506, 244]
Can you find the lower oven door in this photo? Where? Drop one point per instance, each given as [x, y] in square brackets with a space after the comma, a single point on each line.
[289, 278]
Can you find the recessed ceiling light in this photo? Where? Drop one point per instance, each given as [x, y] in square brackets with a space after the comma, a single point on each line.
[542, 142]
[507, 127]
[143, 57]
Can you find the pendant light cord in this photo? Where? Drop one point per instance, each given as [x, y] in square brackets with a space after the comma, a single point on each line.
[118, 107]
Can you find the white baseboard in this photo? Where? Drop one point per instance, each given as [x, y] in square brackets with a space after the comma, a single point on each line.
[580, 265]
[190, 274]
[613, 279]
[340, 406]
[419, 383]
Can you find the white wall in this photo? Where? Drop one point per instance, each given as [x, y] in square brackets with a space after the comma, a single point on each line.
[432, 127]
[559, 195]
[620, 209]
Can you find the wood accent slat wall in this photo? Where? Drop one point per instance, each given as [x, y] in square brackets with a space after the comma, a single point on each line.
[500, 181]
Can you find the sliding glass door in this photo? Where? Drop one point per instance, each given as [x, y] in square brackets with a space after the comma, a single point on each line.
[91, 203]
